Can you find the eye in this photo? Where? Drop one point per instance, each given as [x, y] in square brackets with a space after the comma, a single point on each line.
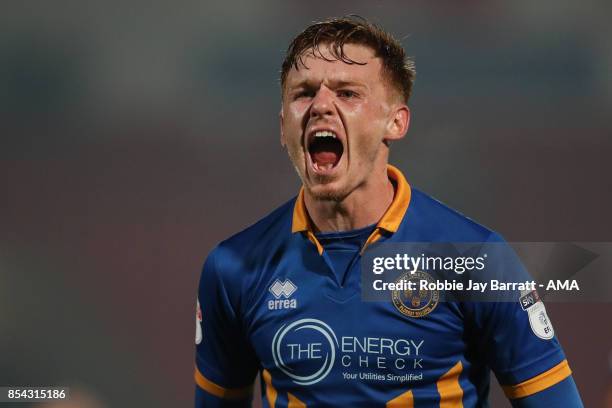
[304, 93]
[347, 93]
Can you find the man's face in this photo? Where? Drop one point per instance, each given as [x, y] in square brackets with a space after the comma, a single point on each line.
[335, 118]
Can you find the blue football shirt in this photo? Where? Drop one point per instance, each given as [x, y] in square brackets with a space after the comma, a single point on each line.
[270, 302]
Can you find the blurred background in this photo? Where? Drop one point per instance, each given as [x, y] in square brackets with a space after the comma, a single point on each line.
[135, 135]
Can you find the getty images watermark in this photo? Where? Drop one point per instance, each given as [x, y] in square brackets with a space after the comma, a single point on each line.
[487, 271]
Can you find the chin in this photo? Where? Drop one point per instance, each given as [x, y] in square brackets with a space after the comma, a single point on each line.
[328, 192]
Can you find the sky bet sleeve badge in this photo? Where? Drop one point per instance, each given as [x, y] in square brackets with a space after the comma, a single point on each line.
[198, 338]
[538, 319]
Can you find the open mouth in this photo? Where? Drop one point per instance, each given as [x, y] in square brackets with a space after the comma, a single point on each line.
[325, 150]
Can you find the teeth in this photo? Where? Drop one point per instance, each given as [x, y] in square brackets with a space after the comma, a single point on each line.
[325, 133]
[321, 167]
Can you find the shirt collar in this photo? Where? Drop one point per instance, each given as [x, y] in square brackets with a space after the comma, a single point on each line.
[391, 219]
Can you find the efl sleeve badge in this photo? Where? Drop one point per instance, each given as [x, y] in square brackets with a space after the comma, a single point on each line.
[198, 337]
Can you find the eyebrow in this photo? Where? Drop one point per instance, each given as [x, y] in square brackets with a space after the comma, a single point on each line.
[338, 83]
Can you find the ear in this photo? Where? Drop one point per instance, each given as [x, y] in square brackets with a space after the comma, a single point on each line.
[398, 123]
[283, 141]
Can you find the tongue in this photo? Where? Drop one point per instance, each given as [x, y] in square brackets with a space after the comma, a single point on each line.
[325, 158]
[325, 152]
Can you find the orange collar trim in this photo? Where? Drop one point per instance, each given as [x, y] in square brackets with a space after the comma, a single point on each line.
[301, 220]
[391, 219]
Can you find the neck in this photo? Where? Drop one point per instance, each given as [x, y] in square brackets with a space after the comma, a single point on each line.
[362, 207]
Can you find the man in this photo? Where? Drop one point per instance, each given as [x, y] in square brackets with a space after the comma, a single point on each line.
[282, 298]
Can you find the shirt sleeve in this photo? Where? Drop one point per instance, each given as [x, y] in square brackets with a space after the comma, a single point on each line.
[562, 394]
[225, 365]
[516, 335]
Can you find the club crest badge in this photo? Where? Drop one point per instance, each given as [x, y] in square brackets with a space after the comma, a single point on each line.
[417, 302]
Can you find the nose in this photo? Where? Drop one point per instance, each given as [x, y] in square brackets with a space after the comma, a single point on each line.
[322, 103]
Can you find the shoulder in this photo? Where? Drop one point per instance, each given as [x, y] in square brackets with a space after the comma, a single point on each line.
[433, 220]
[273, 227]
[242, 253]
[235, 265]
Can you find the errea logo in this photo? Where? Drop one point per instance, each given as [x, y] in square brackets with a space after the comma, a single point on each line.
[279, 290]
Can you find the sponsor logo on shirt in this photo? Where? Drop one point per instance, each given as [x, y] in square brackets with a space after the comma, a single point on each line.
[306, 350]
